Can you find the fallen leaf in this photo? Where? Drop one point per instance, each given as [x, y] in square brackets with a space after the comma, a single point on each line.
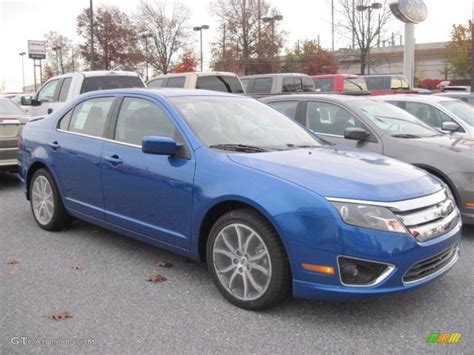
[60, 315]
[76, 268]
[165, 264]
[156, 278]
[11, 273]
[12, 262]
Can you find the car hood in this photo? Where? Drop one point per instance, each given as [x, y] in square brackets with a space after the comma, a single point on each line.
[344, 173]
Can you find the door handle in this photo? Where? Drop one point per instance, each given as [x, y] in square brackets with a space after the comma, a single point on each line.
[55, 145]
[114, 160]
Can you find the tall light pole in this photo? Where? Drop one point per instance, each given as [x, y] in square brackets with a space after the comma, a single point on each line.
[92, 35]
[145, 36]
[200, 28]
[59, 59]
[369, 8]
[23, 69]
[332, 25]
[272, 20]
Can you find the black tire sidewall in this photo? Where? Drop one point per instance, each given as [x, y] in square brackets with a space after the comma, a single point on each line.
[280, 280]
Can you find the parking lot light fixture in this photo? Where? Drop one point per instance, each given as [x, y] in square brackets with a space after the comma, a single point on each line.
[200, 28]
[272, 20]
[22, 54]
[369, 9]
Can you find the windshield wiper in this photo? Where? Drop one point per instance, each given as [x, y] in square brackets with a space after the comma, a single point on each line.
[240, 148]
[290, 145]
[405, 135]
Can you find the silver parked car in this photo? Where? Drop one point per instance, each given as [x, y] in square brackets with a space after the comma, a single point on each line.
[12, 120]
[440, 112]
[366, 123]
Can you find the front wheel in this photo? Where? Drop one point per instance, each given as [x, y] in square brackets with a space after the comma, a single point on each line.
[46, 204]
[247, 260]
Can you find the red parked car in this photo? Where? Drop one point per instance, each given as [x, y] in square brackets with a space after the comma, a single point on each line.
[340, 83]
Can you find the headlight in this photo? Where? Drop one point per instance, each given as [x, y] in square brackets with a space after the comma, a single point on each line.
[367, 216]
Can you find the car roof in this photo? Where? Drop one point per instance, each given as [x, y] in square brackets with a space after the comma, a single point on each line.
[415, 97]
[326, 97]
[272, 75]
[322, 76]
[209, 73]
[163, 93]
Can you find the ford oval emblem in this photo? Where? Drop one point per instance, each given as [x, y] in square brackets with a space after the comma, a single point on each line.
[411, 11]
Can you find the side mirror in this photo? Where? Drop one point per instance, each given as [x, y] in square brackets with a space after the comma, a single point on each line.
[35, 102]
[356, 133]
[160, 145]
[26, 100]
[449, 126]
[50, 110]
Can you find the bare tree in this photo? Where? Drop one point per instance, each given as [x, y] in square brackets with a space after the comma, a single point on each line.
[366, 26]
[59, 52]
[243, 38]
[168, 26]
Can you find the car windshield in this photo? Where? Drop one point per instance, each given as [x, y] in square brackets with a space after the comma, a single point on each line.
[234, 121]
[394, 120]
[8, 108]
[461, 109]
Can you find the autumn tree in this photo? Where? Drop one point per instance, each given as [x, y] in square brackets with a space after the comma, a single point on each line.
[244, 38]
[365, 26]
[115, 39]
[167, 26]
[48, 72]
[187, 63]
[59, 53]
[311, 59]
[460, 51]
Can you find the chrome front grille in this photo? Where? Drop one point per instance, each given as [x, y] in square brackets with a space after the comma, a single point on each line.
[432, 265]
[428, 221]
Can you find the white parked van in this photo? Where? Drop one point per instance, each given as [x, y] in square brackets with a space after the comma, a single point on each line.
[216, 81]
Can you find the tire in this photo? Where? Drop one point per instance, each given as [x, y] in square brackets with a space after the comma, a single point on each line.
[238, 268]
[52, 216]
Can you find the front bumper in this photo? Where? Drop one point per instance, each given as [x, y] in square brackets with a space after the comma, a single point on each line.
[339, 239]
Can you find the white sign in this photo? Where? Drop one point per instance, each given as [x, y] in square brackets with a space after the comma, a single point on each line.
[37, 49]
[409, 11]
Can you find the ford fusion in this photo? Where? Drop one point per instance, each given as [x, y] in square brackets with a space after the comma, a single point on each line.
[228, 180]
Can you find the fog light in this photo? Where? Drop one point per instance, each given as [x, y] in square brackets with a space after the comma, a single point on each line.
[355, 272]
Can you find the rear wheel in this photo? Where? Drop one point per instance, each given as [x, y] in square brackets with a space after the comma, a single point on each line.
[46, 204]
[247, 260]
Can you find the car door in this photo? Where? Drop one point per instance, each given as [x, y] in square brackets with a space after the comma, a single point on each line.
[148, 194]
[76, 147]
[46, 98]
[329, 120]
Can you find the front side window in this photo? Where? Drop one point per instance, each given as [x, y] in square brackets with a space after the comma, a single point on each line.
[324, 85]
[176, 82]
[139, 118]
[47, 94]
[288, 108]
[307, 84]
[65, 120]
[90, 117]
[328, 118]
[221, 83]
[461, 110]
[427, 113]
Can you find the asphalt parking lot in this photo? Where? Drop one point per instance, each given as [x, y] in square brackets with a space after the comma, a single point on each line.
[100, 278]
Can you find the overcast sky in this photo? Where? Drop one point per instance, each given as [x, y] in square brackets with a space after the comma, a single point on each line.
[22, 20]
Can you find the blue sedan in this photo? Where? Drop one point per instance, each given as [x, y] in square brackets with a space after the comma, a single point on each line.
[227, 180]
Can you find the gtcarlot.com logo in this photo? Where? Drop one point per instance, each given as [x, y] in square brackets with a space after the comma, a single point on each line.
[443, 338]
[22, 340]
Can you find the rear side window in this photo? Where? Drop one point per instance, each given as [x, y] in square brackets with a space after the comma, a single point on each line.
[245, 84]
[288, 85]
[90, 117]
[298, 84]
[262, 86]
[176, 82]
[64, 89]
[219, 83]
[64, 123]
[288, 108]
[139, 118]
[111, 82]
[158, 83]
[324, 85]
